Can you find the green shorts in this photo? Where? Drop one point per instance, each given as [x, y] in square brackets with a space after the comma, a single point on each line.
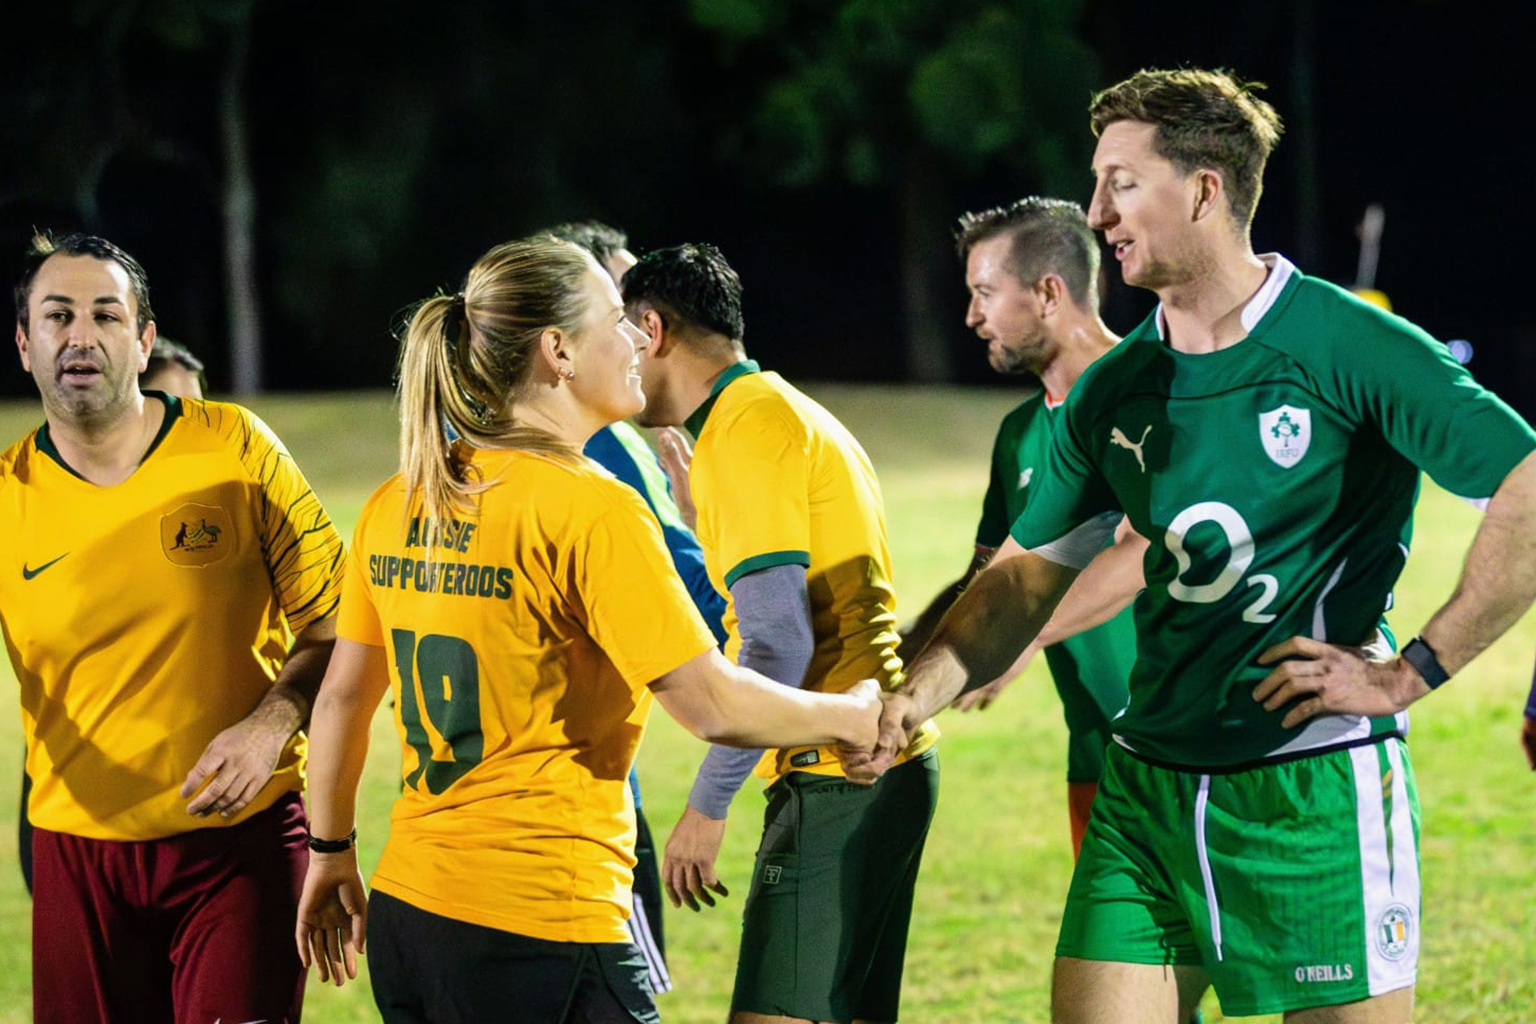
[824, 929]
[1293, 884]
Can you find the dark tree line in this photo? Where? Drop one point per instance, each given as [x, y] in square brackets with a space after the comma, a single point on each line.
[295, 174]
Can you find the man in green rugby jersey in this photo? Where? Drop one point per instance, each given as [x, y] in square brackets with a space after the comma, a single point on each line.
[1032, 270]
[1256, 821]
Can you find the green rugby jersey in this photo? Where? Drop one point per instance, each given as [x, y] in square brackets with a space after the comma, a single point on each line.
[1090, 670]
[1275, 480]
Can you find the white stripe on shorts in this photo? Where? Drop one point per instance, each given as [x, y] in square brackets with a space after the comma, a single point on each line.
[640, 931]
[1389, 879]
[1201, 800]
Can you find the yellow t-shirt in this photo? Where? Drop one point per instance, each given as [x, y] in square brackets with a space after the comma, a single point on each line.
[520, 643]
[143, 619]
[777, 480]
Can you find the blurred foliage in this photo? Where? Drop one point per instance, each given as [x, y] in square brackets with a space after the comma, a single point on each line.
[392, 141]
[842, 89]
[906, 97]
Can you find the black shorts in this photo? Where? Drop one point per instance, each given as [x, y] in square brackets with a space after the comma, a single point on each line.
[430, 968]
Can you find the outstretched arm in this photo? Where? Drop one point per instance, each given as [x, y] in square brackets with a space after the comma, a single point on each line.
[721, 703]
[237, 763]
[916, 635]
[1105, 587]
[1101, 591]
[1497, 585]
[985, 631]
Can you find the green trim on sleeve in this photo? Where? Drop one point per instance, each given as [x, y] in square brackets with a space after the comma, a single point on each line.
[695, 422]
[757, 563]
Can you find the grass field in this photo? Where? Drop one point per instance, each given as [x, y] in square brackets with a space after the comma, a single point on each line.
[998, 859]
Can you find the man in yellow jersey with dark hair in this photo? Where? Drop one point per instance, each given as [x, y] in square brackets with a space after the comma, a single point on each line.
[792, 524]
[160, 550]
[176, 371]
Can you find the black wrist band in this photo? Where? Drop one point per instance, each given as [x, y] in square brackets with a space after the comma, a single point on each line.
[1422, 657]
[334, 845]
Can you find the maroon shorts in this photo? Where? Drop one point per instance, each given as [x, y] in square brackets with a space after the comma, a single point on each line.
[196, 927]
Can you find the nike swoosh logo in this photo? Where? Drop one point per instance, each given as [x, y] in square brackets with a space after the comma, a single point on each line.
[27, 573]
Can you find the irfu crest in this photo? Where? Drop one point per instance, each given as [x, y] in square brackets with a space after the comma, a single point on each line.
[1285, 434]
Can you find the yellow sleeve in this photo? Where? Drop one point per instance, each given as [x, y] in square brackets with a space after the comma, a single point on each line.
[637, 609]
[302, 548]
[751, 484]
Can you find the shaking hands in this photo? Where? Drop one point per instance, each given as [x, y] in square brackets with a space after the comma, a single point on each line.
[898, 720]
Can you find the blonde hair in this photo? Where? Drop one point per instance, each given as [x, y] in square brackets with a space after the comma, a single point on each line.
[466, 356]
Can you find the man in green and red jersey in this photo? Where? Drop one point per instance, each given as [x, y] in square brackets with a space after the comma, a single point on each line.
[1256, 824]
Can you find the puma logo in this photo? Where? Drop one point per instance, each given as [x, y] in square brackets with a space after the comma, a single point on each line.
[1119, 438]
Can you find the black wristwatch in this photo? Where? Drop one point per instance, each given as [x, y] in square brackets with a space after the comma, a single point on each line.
[1422, 657]
[333, 845]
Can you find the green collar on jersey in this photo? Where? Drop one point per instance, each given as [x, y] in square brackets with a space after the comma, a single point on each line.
[172, 411]
[695, 423]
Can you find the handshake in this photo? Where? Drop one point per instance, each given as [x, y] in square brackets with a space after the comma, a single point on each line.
[885, 728]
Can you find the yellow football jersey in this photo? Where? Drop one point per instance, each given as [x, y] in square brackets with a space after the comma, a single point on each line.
[143, 619]
[520, 643]
[777, 480]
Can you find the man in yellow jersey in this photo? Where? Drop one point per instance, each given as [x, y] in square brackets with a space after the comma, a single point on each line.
[160, 550]
[792, 524]
[176, 371]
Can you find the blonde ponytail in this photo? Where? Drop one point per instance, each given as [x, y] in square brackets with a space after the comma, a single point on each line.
[466, 356]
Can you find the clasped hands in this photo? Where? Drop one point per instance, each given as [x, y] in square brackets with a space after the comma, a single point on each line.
[899, 719]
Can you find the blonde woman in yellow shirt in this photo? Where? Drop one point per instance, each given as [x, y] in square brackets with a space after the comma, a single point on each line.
[520, 602]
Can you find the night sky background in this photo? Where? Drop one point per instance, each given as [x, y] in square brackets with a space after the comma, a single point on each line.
[826, 145]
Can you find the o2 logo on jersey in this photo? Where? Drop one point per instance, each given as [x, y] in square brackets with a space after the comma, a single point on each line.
[1285, 433]
[196, 535]
[1394, 931]
[1240, 553]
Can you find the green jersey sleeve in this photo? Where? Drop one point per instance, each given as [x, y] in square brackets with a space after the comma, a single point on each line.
[1073, 511]
[1391, 374]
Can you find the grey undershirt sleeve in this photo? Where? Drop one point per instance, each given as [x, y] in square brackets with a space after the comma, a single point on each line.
[774, 610]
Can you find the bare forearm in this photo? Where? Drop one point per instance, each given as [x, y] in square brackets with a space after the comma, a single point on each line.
[292, 696]
[916, 636]
[339, 746]
[721, 703]
[338, 736]
[1498, 581]
[986, 630]
[1101, 591]
[757, 712]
